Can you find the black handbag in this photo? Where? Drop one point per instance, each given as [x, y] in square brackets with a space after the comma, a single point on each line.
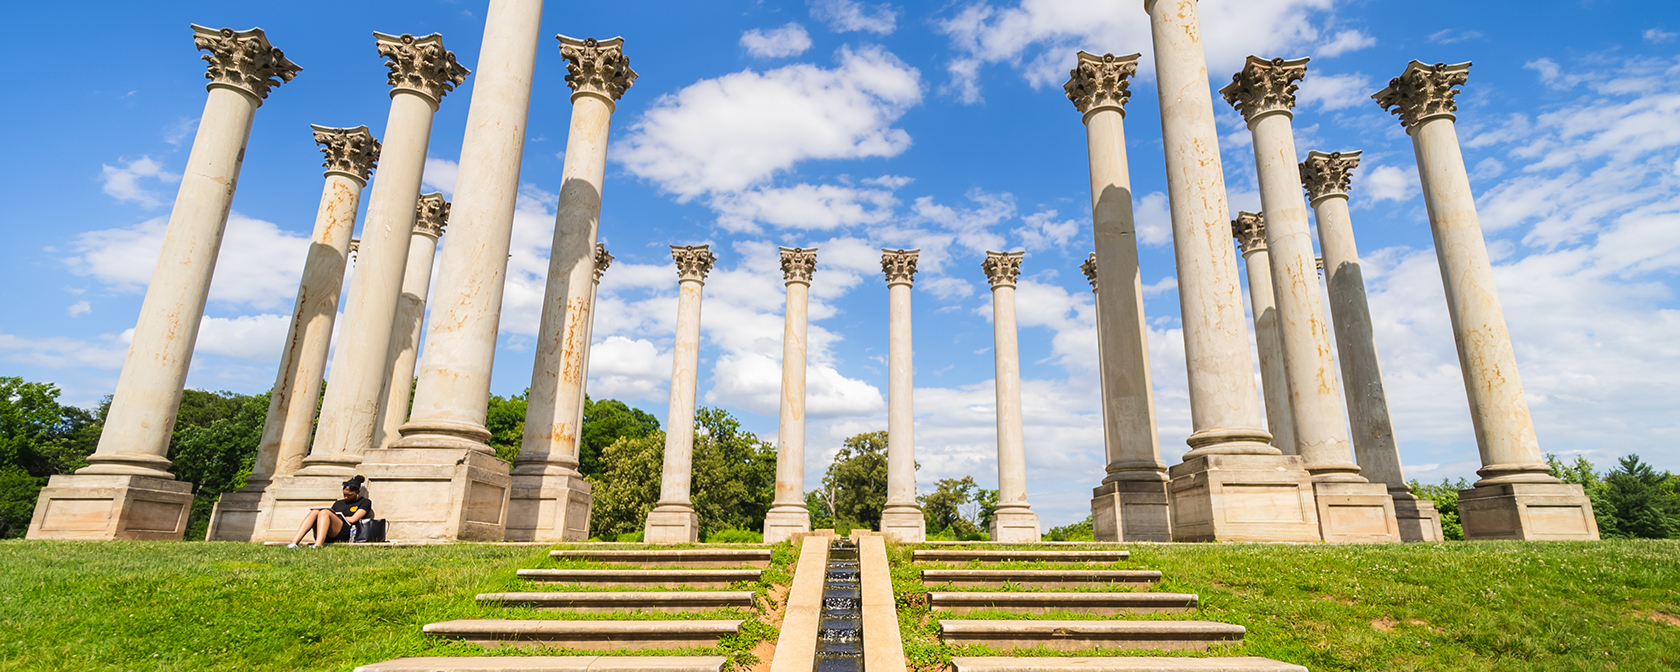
[367, 531]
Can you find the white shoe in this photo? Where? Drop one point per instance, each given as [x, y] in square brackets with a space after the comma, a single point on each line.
[291, 545]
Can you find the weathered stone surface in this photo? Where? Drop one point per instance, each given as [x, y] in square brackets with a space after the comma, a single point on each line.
[668, 601]
[1243, 498]
[1017, 555]
[677, 557]
[1355, 513]
[1083, 635]
[1122, 664]
[643, 578]
[883, 647]
[1100, 604]
[587, 635]
[1038, 578]
[1527, 511]
[552, 664]
[1131, 511]
[89, 506]
[796, 647]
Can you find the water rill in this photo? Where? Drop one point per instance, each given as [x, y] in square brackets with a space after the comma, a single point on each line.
[840, 635]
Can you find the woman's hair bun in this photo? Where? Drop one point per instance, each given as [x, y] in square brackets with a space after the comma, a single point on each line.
[355, 483]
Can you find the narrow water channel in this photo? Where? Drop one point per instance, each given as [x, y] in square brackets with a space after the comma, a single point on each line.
[840, 635]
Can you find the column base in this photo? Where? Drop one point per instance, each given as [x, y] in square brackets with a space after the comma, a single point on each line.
[672, 524]
[783, 522]
[1131, 511]
[235, 515]
[1355, 513]
[1418, 519]
[287, 498]
[1526, 511]
[439, 493]
[905, 523]
[549, 507]
[1016, 526]
[1253, 497]
[103, 507]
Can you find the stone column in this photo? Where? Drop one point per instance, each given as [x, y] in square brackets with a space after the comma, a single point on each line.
[1014, 520]
[1250, 231]
[1326, 178]
[1228, 445]
[1516, 498]
[1350, 508]
[431, 215]
[902, 517]
[551, 500]
[787, 515]
[1131, 503]
[126, 491]
[673, 521]
[351, 155]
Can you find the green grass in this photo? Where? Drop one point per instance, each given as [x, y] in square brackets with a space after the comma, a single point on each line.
[1455, 606]
[196, 606]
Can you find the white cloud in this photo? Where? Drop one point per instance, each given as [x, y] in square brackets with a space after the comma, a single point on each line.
[947, 288]
[179, 131]
[1334, 92]
[1042, 231]
[1152, 219]
[1346, 41]
[844, 16]
[439, 175]
[621, 368]
[254, 337]
[79, 308]
[126, 183]
[107, 352]
[788, 40]
[1658, 36]
[802, 206]
[1388, 183]
[1450, 36]
[258, 265]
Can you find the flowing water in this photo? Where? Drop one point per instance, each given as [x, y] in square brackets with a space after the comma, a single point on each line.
[840, 634]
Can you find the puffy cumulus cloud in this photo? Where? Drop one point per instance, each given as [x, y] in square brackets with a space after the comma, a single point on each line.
[103, 352]
[1345, 41]
[803, 206]
[1334, 92]
[1388, 183]
[1152, 219]
[252, 337]
[621, 368]
[845, 16]
[1043, 231]
[134, 181]
[439, 175]
[788, 40]
[258, 266]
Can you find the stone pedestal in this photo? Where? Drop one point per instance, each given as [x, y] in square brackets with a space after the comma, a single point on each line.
[1527, 511]
[288, 497]
[1017, 525]
[783, 523]
[907, 524]
[1355, 513]
[549, 507]
[444, 494]
[1131, 511]
[672, 524]
[1243, 498]
[1417, 518]
[99, 507]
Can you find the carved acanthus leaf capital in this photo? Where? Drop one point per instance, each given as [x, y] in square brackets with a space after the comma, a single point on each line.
[352, 151]
[899, 265]
[693, 262]
[420, 64]
[602, 261]
[798, 263]
[1101, 81]
[1002, 268]
[1250, 231]
[597, 66]
[431, 215]
[1265, 86]
[1423, 92]
[243, 60]
[1089, 268]
[1325, 175]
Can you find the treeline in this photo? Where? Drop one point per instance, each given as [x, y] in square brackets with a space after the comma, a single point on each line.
[1631, 501]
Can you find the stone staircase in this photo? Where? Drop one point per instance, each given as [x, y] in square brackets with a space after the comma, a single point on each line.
[658, 580]
[1083, 591]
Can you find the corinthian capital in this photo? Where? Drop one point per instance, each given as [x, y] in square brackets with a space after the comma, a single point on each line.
[1002, 268]
[899, 265]
[1264, 87]
[1101, 81]
[421, 65]
[602, 261]
[351, 151]
[431, 214]
[1250, 231]
[1423, 92]
[1089, 268]
[693, 262]
[798, 263]
[1326, 175]
[596, 66]
[243, 60]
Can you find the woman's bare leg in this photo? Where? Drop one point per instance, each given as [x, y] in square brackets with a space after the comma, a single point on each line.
[323, 529]
[308, 524]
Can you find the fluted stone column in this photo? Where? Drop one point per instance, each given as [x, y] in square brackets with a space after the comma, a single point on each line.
[431, 215]
[1014, 520]
[1350, 508]
[902, 516]
[551, 500]
[1131, 503]
[351, 154]
[1326, 178]
[1232, 485]
[126, 491]
[1516, 498]
[673, 520]
[1250, 231]
[787, 515]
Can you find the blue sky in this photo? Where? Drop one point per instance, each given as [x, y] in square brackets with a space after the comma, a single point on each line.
[854, 126]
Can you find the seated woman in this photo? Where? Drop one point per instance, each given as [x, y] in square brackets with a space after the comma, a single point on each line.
[333, 524]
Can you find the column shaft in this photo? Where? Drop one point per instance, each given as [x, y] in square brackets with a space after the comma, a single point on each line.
[1014, 520]
[679, 416]
[901, 414]
[1368, 416]
[787, 515]
[1274, 382]
[404, 349]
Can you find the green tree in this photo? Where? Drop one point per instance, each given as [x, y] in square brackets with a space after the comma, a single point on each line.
[213, 446]
[1445, 498]
[855, 486]
[38, 438]
[944, 508]
[628, 488]
[505, 419]
[1080, 531]
[1642, 508]
[604, 422]
[1582, 473]
[734, 474]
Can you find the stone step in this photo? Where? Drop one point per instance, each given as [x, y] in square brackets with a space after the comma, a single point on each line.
[552, 664]
[1018, 555]
[1122, 664]
[1039, 578]
[1097, 604]
[668, 601]
[1084, 635]
[587, 635]
[644, 578]
[672, 557]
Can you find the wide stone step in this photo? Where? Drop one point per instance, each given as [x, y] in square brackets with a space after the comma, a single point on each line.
[1019, 555]
[669, 601]
[1097, 604]
[552, 664]
[1122, 664]
[1039, 578]
[673, 557]
[588, 635]
[644, 578]
[1084, 635]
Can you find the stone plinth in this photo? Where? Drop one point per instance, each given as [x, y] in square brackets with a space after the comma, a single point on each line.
[106, 506]
[444, 493]
[549, 507]
[1355, 513]
[1243, 498]
[288, 498]
[1131, 511]
[1527, 511]
[672, 524]
[1417, 517]
[1015, 525]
